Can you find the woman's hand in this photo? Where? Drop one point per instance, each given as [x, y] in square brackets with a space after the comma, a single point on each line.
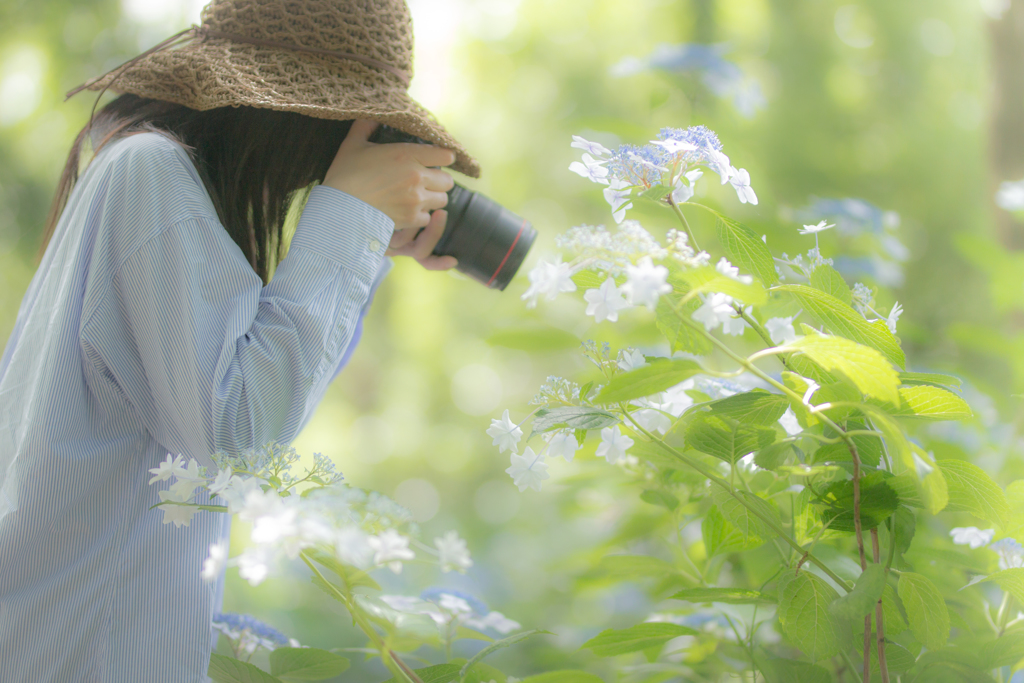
[394, 178]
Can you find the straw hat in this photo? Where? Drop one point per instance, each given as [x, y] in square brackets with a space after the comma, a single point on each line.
[329, 59]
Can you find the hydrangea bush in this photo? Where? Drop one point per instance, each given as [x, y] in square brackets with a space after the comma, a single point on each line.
[787, 448]
[342, 535]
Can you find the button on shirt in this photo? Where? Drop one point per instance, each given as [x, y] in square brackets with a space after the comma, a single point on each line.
[146, 332]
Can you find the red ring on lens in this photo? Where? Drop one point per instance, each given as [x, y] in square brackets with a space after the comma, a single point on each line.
[507, 254]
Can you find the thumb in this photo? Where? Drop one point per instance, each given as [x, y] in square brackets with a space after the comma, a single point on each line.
[360, 131]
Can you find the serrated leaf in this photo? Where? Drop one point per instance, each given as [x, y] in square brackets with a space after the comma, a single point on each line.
[877, 502]
[895, 438]
[757, 407]
[865, 594]
[867, 368]
[972, 490]
[827, 279]
[745, 250]
[789, 671]
[731, 596]
[1010, 580]
[230, 670]
[305, 664]
[660, 498]
[931, 378]
[742, 516]
[842, 320]
[925, 608]
[725, 438]
[439, 673]
[805, 617]
[774, 456]
[926, 402]
[708, 279]
[498, 645]
[573, 417]
[720, 536]
[537, 338]
[680, 336]
[869, 450]
[650, 379]
[612, 642]
[1006, 650]
[564, 676]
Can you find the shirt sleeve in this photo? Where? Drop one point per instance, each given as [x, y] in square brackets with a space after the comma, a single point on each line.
[212, 360]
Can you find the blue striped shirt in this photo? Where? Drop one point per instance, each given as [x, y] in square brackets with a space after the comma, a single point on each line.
[145, 332]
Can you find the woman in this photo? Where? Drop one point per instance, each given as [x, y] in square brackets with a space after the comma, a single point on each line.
[164, 320]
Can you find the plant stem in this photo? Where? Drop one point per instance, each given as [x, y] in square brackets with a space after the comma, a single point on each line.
[682, 219]
[735, 494]
[883, 666]
[850, 665]
[761, 332]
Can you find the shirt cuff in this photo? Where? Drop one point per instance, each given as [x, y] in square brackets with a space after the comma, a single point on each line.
[344, 229]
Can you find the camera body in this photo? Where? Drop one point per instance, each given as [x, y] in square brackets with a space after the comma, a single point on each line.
[489, 241]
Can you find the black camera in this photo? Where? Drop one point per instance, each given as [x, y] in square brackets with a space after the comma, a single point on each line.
[489, 241]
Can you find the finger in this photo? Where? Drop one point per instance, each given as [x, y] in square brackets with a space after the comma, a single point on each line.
[401, 238]
[438, 262]
[434, 200]
[360, 131]
[429, 155]
[437, 180]
[424, 244]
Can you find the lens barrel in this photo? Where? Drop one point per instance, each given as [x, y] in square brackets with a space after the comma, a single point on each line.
[489, 241]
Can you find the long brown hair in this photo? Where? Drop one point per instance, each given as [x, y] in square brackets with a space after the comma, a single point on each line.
[253, 162]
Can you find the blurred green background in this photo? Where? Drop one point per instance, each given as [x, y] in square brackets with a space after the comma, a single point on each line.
[914, 106]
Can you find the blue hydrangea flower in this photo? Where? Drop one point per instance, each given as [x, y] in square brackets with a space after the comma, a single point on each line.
[249, 631]
[434, 595]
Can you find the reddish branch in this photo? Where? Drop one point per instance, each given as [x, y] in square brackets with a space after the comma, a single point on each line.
[879, 622]
[860, 548]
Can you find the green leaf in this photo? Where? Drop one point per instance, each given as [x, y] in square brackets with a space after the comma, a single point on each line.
[538, 338]
[741, 516]
[972, 490]
[865, 594]
[498, 645]
[828, 280]
[757, 407]
[573, 417]
[1006, 650]
[439, 673]
[725, 438]
[650, 379]
[1010, 580]
[680, 336]
[877, 502]
[895, 437]
[564, 676]
[305, 664]
[588, 279]
[805, 617]
[864, 366]
[930, 378]
[351, 576]
[932, 403]
[842, 320]
[789, 671]
[230, 670]
[661, 498]
[720, 536]
[612, 642]
[869, 450]
[925, 608]
[774, 456]
[745, 250]
[708, 279]
[732, 596]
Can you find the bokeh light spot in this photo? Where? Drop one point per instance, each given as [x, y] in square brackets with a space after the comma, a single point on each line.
[476, 389]
[420, 497]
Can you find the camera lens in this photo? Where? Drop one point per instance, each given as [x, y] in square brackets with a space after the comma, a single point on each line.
[489, 241]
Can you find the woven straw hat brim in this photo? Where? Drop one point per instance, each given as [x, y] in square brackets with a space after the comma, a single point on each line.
[210, 73]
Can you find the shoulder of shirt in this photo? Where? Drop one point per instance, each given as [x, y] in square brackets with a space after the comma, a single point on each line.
[154, 169]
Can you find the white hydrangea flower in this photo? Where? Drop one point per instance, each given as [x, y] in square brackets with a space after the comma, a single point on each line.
[452, 553]
[617, 196]
[188, 479]
[390, 548]
[180, 515]
[220, 482]
[167, 468]
[683, 192]
[605, 302]
[453, 604]
[590, 168]
[595, 148]
[548, 279]
[781, 330]
[715, 310]
[652, 418]
[352, 546]
[645, 282]
[506, 433]
[675, 399]
[562, 443]
[631, 359]
[496, 620]
[215, 561]
[732, 272]
[614, 444]
[740, 180]
[971, 536]
[894, 315]
[253, 566]
[814, 229]
[528, 470]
